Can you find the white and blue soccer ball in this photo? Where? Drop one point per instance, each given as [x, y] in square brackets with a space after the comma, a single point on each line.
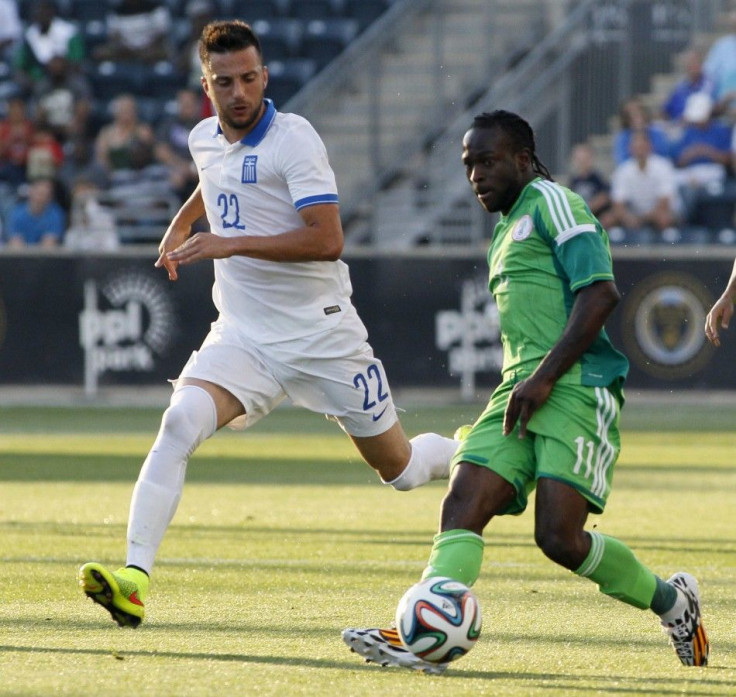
[439, 619]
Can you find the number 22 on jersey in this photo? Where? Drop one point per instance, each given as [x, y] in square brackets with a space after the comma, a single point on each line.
[229, 208]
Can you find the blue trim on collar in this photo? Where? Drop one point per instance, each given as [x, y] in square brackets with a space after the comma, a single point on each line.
[260, 129]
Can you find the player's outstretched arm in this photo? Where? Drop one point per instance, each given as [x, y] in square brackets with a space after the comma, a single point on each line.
[593, 304]
[319, 239]
[178, 231]
[720, 314]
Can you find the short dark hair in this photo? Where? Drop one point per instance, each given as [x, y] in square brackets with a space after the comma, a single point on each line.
[518, 131]
[226, 37]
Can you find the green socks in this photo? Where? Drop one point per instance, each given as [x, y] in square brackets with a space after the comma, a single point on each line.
[618, 573]
[457, 554]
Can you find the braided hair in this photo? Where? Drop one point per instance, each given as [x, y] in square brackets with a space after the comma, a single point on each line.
[519, 132]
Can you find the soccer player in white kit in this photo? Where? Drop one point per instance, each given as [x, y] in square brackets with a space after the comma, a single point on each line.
[286, 325]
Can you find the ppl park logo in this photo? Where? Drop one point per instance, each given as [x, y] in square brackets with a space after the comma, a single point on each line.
[471, 335]
[125, 323]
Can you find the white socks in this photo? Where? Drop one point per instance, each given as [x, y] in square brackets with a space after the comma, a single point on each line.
[681, 604]
[430, 459]
[190, 419]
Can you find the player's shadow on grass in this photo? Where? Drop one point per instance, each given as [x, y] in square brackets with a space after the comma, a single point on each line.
[248, 469]
[571, 682]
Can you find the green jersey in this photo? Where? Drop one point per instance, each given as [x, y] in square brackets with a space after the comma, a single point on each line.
[548, 247]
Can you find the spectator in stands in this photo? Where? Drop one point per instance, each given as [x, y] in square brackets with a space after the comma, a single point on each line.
[11, 29]
[47, 36]
[92, 226]
[172, 146]
[644, 188]
[45, 154]
[80, 163]
[16, 134]
[63, 100]
[589, 183]
[703, 154]
[39, 220]
[720, 63]
[138, 31]
[635, 116]
[694, 81]
[199, 13]
[126, 143]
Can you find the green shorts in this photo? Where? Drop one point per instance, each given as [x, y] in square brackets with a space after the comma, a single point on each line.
[573, 438]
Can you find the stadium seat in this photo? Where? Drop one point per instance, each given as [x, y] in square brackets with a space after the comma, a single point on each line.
[88, 10]
[162, 81]
[177, 8]
[715, 209]
[260, 9]
[109, 79]
[94, 34]
[153, 110]
[286, 78]
[314, 9]
[25, 10]
[324, 40]
[141, 204]
[365, 12]
[8, 87]
[280, 38]
[250, 10]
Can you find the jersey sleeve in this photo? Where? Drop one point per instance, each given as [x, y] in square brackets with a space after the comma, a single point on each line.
[309, 175]
[576, 237]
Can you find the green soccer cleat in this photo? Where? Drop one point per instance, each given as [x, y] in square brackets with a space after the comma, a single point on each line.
[121, 593]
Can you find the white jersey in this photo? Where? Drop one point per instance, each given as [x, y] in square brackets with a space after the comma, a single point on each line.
[257, 186]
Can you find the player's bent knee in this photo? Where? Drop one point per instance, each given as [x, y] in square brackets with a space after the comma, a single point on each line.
[559, 548]
[190, 418]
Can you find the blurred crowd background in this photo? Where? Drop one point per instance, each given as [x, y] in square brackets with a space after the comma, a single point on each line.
[97, 98]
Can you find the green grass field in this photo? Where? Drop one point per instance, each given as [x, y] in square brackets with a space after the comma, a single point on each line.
[284, 537]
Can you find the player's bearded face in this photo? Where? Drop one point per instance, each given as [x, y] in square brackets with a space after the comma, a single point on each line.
[236, 82]
[492, 169]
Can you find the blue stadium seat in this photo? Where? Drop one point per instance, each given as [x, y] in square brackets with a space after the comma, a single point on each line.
[177, 8]
[324, 40]
[280, 38]
[88, 10]
[314, 9]
[109, 79]
[286, 78]
[365, 12]
[162, 81]
[154, 109]
[260, 9]
[94, 34]
[716, 209]
[250, 10]
[25, 10]
[8, 87]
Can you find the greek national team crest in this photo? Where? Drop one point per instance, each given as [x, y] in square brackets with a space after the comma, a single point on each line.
[249, 175]
[522, 229]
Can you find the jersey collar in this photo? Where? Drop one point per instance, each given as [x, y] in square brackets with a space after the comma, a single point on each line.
[260, 129]
[520, 197]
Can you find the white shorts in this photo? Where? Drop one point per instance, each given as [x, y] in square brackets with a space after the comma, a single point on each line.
[333, 373]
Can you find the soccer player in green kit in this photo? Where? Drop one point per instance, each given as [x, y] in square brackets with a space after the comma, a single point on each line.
[552, 423]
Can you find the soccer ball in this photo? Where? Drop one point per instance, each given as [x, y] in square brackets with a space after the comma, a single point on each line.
[439, 619]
